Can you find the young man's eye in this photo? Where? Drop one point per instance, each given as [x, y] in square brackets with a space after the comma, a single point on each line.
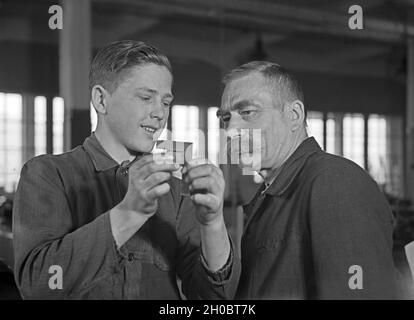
[145, 98]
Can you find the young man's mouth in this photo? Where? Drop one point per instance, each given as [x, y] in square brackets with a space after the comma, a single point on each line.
[150, 130]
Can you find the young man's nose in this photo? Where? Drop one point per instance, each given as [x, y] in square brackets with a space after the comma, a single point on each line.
[158, 111]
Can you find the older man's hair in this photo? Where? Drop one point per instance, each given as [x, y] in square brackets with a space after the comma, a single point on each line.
[285, 86]
[113, 61]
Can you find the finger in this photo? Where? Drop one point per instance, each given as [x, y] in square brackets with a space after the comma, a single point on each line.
[161, 158]
[153, 167]
[155, 179]
[208, 184]
[158, 191]
[208, 200]
[198, 162]
[139, 163]
[202, 171]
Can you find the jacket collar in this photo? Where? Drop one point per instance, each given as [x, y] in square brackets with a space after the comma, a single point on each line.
[101, 159]
[292, 167]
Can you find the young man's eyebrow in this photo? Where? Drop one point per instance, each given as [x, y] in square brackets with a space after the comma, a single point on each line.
[152, 91]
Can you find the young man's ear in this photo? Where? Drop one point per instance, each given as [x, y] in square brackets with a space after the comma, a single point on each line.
[99, 99]
[297, 114]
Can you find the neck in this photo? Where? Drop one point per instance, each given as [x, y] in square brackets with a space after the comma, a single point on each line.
[269, 175]
[111, 145]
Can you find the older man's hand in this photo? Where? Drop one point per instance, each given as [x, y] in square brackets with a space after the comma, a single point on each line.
[206, 185]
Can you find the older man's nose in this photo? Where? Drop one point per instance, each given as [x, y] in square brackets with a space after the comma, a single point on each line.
[234, 123]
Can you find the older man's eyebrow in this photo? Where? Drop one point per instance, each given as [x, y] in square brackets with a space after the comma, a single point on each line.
[242, 104]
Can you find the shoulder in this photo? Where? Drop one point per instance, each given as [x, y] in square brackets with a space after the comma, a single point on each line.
[329, 167]
[49, 165]
[342, 188]
[336, 181]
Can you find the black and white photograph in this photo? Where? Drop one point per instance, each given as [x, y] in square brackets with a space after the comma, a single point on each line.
[194, 150]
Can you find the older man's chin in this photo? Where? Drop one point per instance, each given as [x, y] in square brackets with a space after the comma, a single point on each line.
[249, 167]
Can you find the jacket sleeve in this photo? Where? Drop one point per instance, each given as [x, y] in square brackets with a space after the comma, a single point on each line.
[197, 281]
[46, 244]
[351, 232]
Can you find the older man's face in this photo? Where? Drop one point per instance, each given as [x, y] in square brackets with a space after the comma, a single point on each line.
[249, 103]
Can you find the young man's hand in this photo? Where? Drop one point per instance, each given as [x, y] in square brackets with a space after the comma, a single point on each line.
[147, 182]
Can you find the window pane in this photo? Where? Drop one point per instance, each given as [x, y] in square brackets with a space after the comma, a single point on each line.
[334, 133]
[94, 118]
[3, 138]
[330, 135]
[353, 138]
[14, 106]
[40, 125]
[395, 156]
[315, 126]
[213, 133]
[377, 144]
[58, 121]
[10, 140]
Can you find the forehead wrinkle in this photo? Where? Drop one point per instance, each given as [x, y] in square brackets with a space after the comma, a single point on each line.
[236, 90]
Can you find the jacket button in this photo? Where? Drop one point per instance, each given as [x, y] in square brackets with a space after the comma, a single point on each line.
[130, 256]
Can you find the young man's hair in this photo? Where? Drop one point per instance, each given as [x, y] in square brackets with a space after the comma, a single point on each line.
[113, 61]
[284, 85]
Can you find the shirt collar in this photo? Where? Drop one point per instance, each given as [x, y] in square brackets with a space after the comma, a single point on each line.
[292, 167]
[101, 159]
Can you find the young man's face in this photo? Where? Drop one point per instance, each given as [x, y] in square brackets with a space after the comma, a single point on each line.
[139, 107]
[250, 103]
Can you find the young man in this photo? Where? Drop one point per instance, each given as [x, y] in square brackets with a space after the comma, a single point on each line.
[109, 219]
[319, 227]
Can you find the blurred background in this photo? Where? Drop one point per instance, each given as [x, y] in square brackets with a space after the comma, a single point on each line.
[358, 84]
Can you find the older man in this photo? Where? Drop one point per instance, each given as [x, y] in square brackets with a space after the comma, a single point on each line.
[106, 221]
[319, 227]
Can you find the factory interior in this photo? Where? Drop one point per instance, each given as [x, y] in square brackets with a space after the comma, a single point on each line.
[358, 85]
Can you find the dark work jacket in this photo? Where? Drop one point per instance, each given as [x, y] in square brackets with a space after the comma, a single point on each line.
[322, 230]
[61, 222]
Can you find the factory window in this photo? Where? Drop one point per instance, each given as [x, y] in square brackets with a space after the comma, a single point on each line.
[353, 138]
[384, 144]
[333, 133]
[315, 126]
[10, 140]
[58, 124]
[377, 148]
[39, 125]
[94, 118]
[213, 135]
[185, 127]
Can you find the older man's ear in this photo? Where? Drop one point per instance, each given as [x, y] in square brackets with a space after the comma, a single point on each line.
[297, 114]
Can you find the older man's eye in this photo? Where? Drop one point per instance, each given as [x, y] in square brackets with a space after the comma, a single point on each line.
[166, 104]
[247, 112]
[145, 98]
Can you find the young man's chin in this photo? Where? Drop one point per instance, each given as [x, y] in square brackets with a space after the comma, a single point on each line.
[142, 148]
